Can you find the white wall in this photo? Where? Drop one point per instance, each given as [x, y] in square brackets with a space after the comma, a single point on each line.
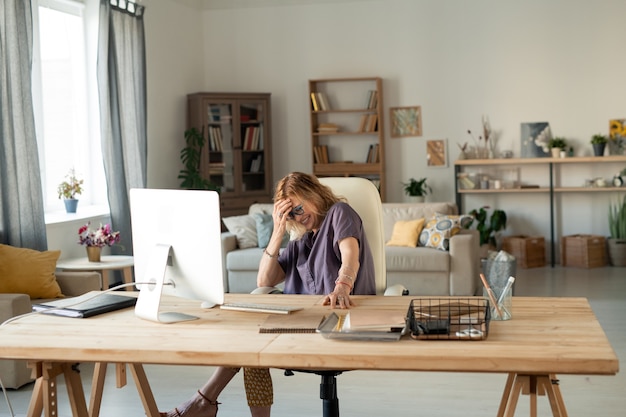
[539, 60]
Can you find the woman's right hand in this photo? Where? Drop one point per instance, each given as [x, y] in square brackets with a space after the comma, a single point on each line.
[280, 214]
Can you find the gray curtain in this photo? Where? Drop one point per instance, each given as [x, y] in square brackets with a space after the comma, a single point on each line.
[122, 92]
[22, 221]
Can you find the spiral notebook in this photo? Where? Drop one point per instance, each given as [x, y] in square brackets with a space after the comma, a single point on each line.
[296, 322]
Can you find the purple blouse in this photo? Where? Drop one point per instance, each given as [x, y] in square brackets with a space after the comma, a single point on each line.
[311, 263]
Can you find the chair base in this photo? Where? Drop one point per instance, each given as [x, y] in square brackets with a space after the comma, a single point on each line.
[328, 390]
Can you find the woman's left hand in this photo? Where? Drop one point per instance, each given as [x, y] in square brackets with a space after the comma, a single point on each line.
[340, 297]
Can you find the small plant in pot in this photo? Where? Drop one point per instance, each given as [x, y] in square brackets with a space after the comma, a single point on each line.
[617, 227]
[557, 144]
[598, 142]
[417, 189]
[69, 189]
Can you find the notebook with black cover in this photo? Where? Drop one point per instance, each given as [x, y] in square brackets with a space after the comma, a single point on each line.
[86, 305]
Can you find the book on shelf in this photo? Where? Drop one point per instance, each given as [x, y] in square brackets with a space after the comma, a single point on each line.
[323, 102]
[373, 155]
[328, 128]
[86, 305]
[372, 99]
[255, 165]
[363, 123]
[314, 103]
[320, 153]
[372, 122]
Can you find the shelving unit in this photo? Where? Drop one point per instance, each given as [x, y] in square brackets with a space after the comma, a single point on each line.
[554, 186]
[347, 128]
[237, 157]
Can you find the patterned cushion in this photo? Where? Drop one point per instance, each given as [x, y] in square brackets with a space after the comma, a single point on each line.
[440, 228]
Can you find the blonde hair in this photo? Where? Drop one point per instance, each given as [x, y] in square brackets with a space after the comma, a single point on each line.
[307, 188]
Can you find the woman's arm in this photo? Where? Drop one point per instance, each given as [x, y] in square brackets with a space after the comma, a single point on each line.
[346, 276]
[270, 272]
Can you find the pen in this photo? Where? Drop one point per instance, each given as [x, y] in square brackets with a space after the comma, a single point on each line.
[492, 297]
[508, 286]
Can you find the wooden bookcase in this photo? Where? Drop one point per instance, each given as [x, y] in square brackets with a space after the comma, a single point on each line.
[238, 154]
[347, 128]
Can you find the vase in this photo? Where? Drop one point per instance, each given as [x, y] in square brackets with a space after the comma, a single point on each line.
[70, 205]
[556, 152]
[93, 253]
[598, 148]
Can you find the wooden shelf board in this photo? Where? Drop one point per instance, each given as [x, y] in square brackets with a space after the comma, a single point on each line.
[342, 168]
[529, 161]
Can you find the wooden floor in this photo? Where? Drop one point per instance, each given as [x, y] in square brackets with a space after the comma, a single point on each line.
[365, 394]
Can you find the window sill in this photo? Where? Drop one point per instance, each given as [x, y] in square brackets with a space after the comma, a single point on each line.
[83, 213]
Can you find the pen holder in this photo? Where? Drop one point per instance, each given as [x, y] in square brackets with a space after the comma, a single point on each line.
[504, 297]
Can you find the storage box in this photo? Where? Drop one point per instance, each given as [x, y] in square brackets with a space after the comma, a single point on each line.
[530, 251]
[584, 251]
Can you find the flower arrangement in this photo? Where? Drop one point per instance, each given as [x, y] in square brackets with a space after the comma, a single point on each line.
[488, 149]
[102, 236]
[71, 187]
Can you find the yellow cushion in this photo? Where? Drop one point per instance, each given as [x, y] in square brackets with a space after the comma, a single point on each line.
[28, 271]
[406, 232]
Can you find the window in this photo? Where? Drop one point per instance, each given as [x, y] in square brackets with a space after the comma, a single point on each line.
[65, 99]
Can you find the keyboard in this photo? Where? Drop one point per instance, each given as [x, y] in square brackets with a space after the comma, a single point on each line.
[260, 308]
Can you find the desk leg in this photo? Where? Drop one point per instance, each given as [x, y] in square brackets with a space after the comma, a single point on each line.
[97, 386]
[44, 397]
[532, 385]
[143, 387]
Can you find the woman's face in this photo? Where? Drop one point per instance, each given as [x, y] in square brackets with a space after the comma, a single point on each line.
[301, 212]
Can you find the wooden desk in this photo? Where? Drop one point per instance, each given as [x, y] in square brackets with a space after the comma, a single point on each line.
[106, 264]
[546, 336]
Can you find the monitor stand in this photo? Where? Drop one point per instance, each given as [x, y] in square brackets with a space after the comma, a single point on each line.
[149, 299]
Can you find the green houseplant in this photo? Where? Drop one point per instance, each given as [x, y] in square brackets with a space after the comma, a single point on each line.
[617, 228]
[417, 188]
[69, 189]
[557, 144]
[487, 226]
[190, 156]
[598, 142]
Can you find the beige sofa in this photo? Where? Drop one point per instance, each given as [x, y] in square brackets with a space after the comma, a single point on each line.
[14, 373]
[421, 270]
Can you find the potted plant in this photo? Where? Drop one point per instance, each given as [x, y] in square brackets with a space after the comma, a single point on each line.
[488, 226]
[598, 142]
[417, 189]
[557, 144]
[191, 156]
[617, 228]
[69, 189]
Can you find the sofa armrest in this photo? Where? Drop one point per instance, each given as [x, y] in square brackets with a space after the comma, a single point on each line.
[464, 263]
[229, 244]
[77, 283]
[12, 305]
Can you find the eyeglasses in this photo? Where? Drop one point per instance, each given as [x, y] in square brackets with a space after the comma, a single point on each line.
[296, 211]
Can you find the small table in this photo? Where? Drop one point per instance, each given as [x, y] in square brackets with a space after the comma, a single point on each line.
[106, 264]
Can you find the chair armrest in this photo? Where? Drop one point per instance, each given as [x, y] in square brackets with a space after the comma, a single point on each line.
[229, 244]
[77, 283]
[464, 263]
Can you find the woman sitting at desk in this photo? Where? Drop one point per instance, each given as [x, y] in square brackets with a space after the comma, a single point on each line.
[329, 256]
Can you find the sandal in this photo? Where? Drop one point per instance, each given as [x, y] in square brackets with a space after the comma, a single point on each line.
[194, 407]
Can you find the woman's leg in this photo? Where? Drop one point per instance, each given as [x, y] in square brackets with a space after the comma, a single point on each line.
[259, 391]
[204, 403]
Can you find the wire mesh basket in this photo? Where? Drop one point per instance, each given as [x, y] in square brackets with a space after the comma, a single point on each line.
[449, 318]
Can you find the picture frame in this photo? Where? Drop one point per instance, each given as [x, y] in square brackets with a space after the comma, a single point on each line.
[436, 153]
[406, 121]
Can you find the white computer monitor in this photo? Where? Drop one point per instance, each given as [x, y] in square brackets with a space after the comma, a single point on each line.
[177, 249]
